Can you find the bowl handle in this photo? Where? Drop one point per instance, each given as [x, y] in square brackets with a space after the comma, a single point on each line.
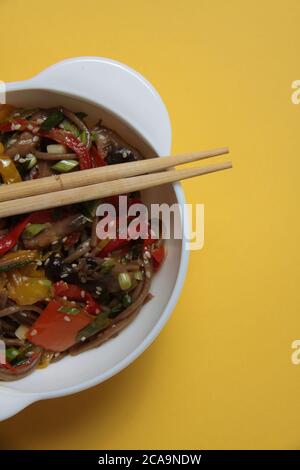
[118, 88]
[13, 401]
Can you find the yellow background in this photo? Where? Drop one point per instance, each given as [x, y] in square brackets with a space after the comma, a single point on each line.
[220, 374]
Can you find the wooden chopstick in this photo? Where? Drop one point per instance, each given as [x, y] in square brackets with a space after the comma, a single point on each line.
[101, 190]
[99, 175]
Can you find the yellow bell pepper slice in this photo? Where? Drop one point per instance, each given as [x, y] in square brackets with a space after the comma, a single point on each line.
[9, 171]
[27, 290]
[18, 259]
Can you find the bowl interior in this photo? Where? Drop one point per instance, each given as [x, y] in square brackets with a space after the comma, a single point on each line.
[101, 362]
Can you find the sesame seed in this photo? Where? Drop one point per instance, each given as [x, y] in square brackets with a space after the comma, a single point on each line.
[56, 354]
[35, 130]
[12, 141]
[47, 261]
[33, 332]
[82, 294]
[35, 138]
[17, 127]
[39, 263]
[30, 127]
[83, 338]
[16, 157]
[66, 318]
[54, 243]
[65, 239]
[65, 297]
[97, 310]
[22, 160]
[64, 275]
[74, 265]
[148, 274]
[24, 314]
[40, 121]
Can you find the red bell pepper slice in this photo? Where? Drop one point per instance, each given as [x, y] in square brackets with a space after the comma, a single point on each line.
[75, 144]
[18, 124]
[10, 125]
[158, 255]
[73, 292]
[55, 330]
[8, 241]
[96, 157]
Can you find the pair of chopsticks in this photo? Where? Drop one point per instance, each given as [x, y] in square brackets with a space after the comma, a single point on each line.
[96, 183]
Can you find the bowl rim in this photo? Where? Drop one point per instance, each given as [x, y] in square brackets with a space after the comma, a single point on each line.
[184, 253]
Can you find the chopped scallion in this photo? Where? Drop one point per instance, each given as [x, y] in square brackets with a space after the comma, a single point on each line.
[32, 230]
[124, 281]
[63, 166]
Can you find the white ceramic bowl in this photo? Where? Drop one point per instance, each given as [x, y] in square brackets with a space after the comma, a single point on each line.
[129, 104]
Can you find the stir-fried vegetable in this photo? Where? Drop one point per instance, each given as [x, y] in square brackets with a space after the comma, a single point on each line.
[97, 325]
[158, 255]
[33, 229]
[68, 126]
[68, 139]
[17, 259]
[73, 292]
[124, 281]
[11, 354]
[11, 239]
[27, 287]
[21, 366]
[9, 171]
[96, 157]
[56, 330]
[62, 290]
[56, 149]
[63, 166]
[53, 120]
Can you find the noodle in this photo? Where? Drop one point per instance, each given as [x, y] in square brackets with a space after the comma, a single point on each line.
[62, 290]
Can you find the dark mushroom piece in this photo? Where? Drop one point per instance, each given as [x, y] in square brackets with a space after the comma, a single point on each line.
[21, 145]
[113, 147]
